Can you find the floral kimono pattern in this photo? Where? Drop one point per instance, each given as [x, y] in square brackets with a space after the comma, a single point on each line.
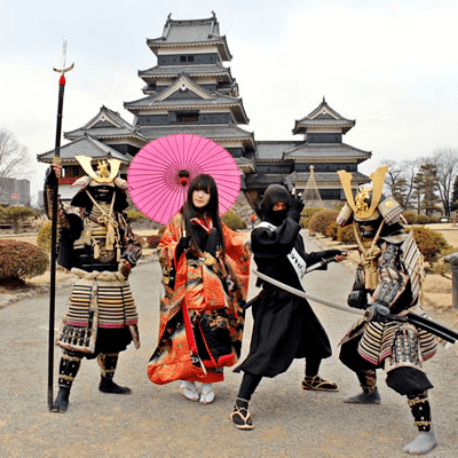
[202, 319]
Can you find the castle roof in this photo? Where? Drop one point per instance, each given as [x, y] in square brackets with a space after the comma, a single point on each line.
[217, 70]
[107, 124]
[339, 151]
[84, 146]
[191, 33]
[185, 94]
[323, 116]
[216, 132]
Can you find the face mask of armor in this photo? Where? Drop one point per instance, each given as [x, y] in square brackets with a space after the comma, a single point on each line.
[102, 194]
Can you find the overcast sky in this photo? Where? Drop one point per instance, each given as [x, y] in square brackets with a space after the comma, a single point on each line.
[390, 65]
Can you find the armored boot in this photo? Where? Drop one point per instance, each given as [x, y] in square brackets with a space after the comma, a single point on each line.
[108, 363]
[370, 395]
[421, 411]
[69, 366]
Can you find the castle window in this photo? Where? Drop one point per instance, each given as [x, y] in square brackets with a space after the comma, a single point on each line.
[183, 59]
[190, 58]
[187, 116]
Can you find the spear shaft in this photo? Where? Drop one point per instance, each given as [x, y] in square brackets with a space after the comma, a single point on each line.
[55, 188]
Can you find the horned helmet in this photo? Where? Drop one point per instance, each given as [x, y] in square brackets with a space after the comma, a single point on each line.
[103, 184]
[368, 207]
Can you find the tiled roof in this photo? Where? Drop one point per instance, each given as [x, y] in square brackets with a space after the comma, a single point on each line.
[216, 99]
[262, 180]
[213, 132]
[85, 146]
[323, 116]
[330, 177]
[274, 149]
[113, 125]
[172, 71]
[326, 150]
[195, 31]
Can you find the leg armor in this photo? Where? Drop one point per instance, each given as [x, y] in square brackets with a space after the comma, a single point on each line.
[108, 363]
[368, 381]
[69, 366]
[421, 410]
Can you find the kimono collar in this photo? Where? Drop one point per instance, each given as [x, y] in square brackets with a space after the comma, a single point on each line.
[205, 222]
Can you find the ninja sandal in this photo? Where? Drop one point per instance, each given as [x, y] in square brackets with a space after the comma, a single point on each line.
[316, 383]
[241, 416]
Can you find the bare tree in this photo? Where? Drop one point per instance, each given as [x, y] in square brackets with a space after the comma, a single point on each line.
[400, 179]
[15, 158]
[446, 162]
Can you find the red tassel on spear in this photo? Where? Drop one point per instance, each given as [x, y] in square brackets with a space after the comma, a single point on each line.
[56, 161]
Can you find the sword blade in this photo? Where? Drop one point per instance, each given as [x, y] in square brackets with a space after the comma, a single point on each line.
[304, 295]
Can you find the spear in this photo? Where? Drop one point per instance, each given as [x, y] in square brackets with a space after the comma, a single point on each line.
[56, 161]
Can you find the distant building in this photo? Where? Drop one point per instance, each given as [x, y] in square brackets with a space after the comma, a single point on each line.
[14, 192]
[191, 91]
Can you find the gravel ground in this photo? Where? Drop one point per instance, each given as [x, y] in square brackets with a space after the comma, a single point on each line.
[157, 421]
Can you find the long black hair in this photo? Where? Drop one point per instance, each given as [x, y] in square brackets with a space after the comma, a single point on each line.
[205, 183]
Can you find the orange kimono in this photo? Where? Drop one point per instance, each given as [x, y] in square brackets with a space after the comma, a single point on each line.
[202, 319]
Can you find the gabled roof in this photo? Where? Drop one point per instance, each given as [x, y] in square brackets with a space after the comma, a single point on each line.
[204, 99]
[215, 132]
[326, 151]
[217, 70]
[106, 124]
[323, 116]
[328, 177]
[274, 150]
[194, 32]
[85, 146]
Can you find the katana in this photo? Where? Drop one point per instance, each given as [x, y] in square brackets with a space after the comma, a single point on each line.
[303, 294]
[56, 161]
[421, 322]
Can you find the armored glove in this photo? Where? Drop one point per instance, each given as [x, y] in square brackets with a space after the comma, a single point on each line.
[124, 267]
[378, 312]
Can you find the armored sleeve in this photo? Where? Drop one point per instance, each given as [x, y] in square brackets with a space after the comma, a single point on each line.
[132, 244]
[393, 279]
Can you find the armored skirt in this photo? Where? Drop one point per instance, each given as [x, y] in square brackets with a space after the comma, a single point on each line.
[101, 315]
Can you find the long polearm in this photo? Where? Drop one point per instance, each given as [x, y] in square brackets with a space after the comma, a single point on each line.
[56, 160]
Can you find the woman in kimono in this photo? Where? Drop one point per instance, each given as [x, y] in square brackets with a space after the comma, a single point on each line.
[285, 326]
[205, 267]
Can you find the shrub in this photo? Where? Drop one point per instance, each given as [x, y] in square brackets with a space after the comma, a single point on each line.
[430, 243]
[331, 230]
[346, 235]
[16, 216]
[321, 220]
[19, 260]
[233, 221]
[411, 217]
[423, 219]
[310, 211]
[44, 236]
[133, 215]
[304, 222]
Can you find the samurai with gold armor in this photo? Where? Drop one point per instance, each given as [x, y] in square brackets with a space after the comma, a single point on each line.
[388, 282]
[98, 246]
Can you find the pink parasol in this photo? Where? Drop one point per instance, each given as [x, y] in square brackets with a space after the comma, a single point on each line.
[160, 172]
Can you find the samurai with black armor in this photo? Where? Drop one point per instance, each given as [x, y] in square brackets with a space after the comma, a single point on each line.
[388, 283]
[97, 244]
